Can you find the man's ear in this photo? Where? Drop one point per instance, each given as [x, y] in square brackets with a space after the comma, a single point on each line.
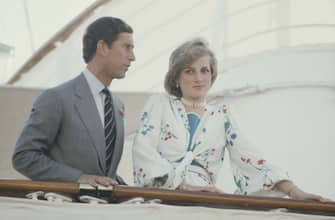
[102, 48]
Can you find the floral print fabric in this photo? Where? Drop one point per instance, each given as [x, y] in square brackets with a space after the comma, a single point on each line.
[161, 157]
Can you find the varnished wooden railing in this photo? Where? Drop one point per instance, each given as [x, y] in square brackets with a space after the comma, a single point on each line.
[21, 187]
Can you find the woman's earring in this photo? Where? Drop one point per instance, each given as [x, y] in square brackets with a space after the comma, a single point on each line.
[177, 85]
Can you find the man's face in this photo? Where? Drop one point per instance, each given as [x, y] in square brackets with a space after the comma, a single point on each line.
[119, 56]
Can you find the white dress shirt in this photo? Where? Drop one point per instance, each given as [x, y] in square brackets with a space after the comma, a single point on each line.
[96, 88]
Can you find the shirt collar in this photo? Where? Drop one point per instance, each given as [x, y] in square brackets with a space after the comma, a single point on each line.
[95, 85]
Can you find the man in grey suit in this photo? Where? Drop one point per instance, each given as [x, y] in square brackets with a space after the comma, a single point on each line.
[65, 137]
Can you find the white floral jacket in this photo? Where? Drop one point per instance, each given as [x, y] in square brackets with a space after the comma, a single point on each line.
[160, 154]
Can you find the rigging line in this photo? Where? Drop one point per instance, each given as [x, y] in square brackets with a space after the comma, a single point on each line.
[28, 22]
[158, 84]
[228, 67]
[154, 57]
[160, 53]
[61, 36]
[155, 86]
[138, 11]
[183, 13]
[256, 89]
[235, 62]
[271, 30]
[240, 11]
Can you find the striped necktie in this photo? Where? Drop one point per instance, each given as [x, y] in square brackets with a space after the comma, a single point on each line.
[110, 132]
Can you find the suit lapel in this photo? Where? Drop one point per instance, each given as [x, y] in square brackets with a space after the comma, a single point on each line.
[88, 113]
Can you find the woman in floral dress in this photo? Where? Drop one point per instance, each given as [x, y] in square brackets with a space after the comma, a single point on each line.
[182, 139]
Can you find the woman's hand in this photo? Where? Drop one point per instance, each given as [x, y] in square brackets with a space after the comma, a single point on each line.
[295, 192]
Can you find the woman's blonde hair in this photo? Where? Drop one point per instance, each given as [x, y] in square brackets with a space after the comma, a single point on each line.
[182, 57]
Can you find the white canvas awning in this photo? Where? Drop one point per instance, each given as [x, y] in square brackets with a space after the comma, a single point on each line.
[239, 32]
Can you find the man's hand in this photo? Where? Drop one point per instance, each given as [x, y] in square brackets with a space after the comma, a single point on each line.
[96, 180]
[209, 188]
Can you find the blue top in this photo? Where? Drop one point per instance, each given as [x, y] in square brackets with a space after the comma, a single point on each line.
[193, 121]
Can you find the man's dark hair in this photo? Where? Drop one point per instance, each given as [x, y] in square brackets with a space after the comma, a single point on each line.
[106, 29]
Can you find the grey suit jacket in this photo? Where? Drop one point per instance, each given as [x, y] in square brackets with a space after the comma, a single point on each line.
[64, 136]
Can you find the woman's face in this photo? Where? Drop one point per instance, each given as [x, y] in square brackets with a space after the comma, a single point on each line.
[195, 80]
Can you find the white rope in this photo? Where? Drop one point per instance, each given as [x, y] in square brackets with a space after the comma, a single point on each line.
[256, 89]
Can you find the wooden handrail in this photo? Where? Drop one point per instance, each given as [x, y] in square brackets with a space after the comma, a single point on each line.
[27, 185]
[172, 196]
